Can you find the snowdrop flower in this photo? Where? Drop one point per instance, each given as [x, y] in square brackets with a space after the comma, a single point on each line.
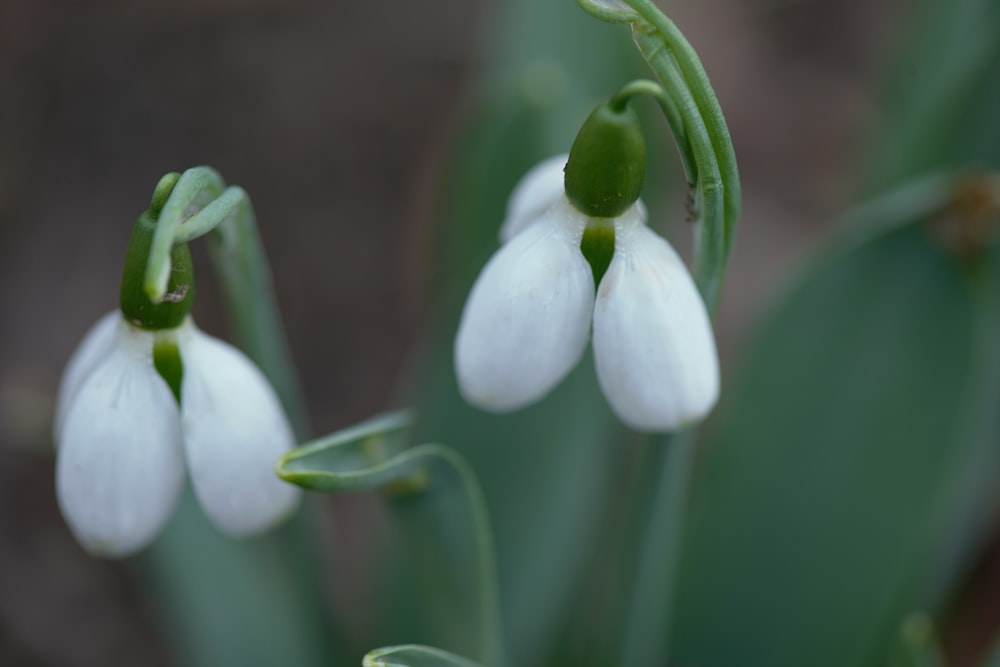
[577, 255]
[146, 396]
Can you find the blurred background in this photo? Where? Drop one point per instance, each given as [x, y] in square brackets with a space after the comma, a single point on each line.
[339, 119]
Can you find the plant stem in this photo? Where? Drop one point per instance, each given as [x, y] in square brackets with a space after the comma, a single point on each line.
[368, 457]
[492, 628]
[709, 194]
[664, 477]
[708, 107]
[245, 281]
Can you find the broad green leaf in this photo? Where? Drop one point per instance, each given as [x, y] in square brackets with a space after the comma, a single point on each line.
[849, 471]
[412, 655]
[941, 102]
[442, 570]
[845, 462]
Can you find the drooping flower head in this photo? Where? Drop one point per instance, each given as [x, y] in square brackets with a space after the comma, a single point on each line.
[578, 263]
[147, 395]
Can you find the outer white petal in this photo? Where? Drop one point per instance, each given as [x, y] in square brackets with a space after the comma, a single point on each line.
[96, 345]
[234, 433]
[119, 470]
[653, 343]
[537, 190]
[527, 319]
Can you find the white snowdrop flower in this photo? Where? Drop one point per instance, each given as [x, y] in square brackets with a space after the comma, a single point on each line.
[529, 315]
[123, 442]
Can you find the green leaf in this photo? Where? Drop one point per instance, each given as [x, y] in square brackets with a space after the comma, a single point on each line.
[444, 589]
[413, 655]
[842, 482]
[941, 101]
[343, 461]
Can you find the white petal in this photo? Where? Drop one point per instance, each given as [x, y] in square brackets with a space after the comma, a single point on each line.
[234, 433]
[653, 343]
[527, 319]
[93, 349]
[119, 470]
[537, 190]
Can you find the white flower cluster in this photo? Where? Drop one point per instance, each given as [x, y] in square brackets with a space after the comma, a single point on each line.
[528, 319]
[123, 444]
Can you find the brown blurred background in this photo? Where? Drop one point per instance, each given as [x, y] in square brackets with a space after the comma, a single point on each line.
[336, 117]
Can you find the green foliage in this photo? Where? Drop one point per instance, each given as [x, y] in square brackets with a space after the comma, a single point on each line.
[846, 481]
[253, 603]
[441, 575]
[845, 456]
[941, 102]
[842, 487]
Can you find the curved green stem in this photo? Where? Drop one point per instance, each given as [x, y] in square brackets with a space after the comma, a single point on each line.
[696, 119]
[195, 188]
[215, 214]
[492, 645]
[605, 12]
[710, 202]
[244, 275]
[369, 457]
[670, 112]
[708, 107]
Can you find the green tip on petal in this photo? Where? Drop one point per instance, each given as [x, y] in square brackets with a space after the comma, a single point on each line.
[168, 363]
[598, 247]
[607, 164]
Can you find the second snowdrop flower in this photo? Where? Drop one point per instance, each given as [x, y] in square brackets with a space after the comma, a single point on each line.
[577, 256]
[148, 395]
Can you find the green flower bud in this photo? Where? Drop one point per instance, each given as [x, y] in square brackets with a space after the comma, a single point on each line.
[607, 163]
[136, 306]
